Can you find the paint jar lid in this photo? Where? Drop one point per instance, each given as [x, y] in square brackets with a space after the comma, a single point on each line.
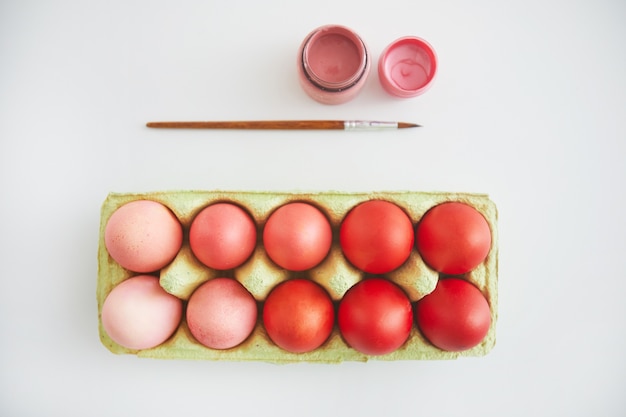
[407, 67]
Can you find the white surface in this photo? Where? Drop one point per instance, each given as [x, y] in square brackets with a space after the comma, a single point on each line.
[528, 106]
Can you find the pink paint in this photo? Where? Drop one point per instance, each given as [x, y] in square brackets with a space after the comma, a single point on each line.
[333, 58]
[407, 67]
[333, 64]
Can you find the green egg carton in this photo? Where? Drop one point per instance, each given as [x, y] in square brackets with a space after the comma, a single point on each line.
[259, 274]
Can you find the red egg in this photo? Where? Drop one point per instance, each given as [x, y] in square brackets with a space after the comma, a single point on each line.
[298, 315]
[222, 236]
[455, 316]
[376, 236]
[375, 316]
[221, 313]
[297, 236]
[453, 238]
[143, 236]
[139, 314]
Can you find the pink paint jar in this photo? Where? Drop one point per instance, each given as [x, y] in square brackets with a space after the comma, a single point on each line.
[407, 67]
[333, 64]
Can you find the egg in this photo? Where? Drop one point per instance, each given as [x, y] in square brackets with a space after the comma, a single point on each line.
[222, 236]
[297, 236]
[139, 314]
[143, 236]
[221, 313]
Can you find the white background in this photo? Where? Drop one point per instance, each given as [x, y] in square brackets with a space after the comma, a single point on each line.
[529, 106]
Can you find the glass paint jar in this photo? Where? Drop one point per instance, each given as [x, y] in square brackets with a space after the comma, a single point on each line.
[333, 64]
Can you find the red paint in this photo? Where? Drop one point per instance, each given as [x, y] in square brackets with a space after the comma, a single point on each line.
[333, 64]
[407, 67]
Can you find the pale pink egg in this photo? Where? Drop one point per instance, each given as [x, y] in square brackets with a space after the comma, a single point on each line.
[143, 236]
[221, 313]
[139, 314]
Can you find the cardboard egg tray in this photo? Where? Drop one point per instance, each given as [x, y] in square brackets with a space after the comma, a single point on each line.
[259, 274]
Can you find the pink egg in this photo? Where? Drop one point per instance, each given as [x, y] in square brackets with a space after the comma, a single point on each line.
[221, 313]
[143, 236]
[139, 314]
[222, 236]
[297, 236]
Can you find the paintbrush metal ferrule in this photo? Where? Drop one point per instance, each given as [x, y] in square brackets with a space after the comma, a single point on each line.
[368, 125]
[285, 125]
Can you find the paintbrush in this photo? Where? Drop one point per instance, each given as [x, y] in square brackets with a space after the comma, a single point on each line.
[286, 125]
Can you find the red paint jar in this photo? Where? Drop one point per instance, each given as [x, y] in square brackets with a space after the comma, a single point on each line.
[333, 64]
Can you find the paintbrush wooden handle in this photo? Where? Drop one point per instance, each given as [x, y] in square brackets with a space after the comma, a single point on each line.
[252, 125]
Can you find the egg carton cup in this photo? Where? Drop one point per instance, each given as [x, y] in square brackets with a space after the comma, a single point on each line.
[259, 274]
